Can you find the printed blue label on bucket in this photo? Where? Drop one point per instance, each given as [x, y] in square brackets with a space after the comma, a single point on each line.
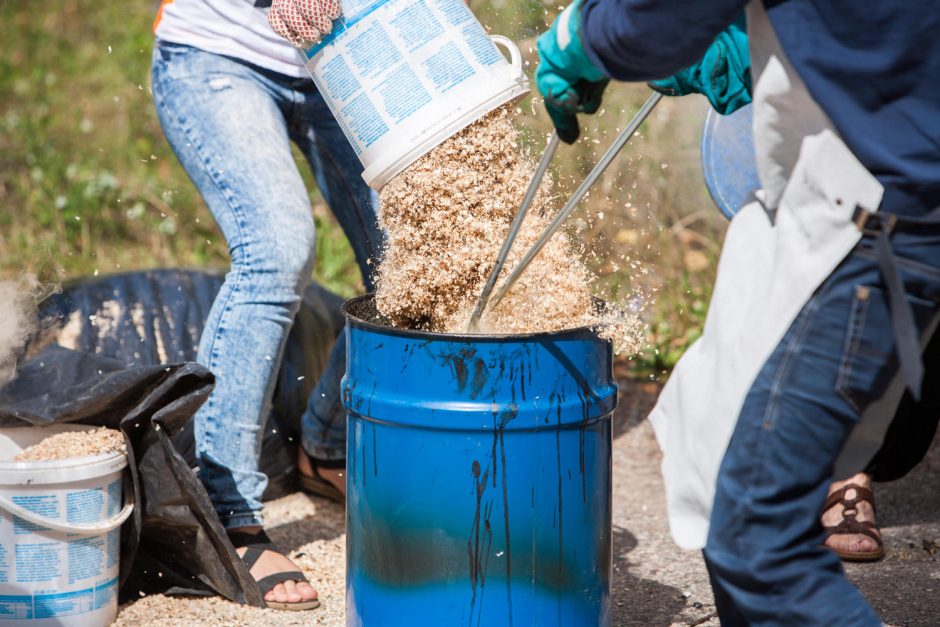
[37, 562]
[64, 603]
[84, 506]
[44, 505]
[105, 593]
[114, 497]
[16, 607]
[86, 558]
[354, 11]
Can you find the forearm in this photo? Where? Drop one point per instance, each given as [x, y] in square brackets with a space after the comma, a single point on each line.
[641, 40]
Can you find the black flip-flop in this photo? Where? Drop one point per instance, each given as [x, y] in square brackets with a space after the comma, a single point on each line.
[257, 543]
[319, 486]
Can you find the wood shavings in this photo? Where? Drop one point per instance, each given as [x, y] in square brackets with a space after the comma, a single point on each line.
[74, 444]
[445, 219]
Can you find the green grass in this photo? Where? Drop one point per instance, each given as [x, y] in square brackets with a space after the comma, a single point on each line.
[88, 183]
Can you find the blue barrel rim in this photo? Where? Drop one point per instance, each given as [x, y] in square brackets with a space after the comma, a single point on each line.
[356, 308]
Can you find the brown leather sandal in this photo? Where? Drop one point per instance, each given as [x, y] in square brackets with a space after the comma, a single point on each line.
[850, 525]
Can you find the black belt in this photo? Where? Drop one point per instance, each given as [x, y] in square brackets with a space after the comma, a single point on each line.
[882, 226]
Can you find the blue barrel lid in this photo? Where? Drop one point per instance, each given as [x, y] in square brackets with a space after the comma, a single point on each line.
[728, 159]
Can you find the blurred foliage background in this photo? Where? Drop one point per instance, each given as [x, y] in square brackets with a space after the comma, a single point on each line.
[88, 184]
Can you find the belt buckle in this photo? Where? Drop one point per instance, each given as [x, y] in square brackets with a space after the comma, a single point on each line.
[872, 224]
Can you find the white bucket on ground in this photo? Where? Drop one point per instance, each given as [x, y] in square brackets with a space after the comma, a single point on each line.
[60, 534]
[401, 76]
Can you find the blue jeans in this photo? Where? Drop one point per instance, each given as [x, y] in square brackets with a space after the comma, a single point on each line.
[231, 125]
[765, 553]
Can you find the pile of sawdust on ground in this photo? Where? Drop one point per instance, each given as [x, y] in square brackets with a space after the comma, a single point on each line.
[74, 444]
[312, 533]
[446, 217]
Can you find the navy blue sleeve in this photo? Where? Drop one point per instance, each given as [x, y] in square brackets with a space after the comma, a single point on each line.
[641, 40]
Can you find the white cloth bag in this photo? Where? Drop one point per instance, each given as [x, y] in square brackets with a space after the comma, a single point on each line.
[776, 254]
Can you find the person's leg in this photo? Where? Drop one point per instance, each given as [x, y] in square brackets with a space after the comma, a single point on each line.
[765, 552]
[223, 121]
[338, 173]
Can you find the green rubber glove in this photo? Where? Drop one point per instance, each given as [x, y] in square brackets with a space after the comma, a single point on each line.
[567, 79]
[723, 74]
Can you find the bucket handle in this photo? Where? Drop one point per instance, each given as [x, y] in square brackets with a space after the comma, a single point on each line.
[515, 57]
[89, 530]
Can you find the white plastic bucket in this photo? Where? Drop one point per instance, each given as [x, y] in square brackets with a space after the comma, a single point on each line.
[59, 534]
[401, 76]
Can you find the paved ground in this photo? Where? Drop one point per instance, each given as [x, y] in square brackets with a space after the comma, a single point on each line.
[658, 584]
[655, 584]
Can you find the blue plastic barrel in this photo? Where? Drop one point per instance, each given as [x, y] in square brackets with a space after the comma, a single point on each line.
[479, 476]
[729, 163]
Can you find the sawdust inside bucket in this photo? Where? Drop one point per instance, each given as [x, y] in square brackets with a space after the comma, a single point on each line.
[446, 217]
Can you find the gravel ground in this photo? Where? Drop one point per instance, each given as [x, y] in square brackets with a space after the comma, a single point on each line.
[655, 583]
[312, 530]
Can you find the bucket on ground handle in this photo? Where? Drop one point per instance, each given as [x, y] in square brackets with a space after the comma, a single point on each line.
[60, 534]
[478, 476]
[401, 76]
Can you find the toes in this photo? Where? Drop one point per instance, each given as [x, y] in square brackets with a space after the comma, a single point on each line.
[865, 545]
[277, 594]
[291, 592]
[308, 592]
[293, 595]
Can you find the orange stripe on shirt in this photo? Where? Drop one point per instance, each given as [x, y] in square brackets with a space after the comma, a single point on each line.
[156, 21]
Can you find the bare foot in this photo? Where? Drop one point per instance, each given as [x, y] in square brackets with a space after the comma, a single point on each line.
[855, 542]
[270, 563]
[336, 476]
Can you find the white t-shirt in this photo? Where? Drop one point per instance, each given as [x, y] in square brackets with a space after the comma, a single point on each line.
[234, 28]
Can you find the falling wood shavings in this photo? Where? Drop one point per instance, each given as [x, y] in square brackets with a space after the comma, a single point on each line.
[446, 217]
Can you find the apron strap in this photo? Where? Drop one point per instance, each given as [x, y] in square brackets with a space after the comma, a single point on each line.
[881, 226]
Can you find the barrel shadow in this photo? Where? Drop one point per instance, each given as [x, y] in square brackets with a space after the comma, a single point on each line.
[635, 400]
[639, 601]
[328, 523]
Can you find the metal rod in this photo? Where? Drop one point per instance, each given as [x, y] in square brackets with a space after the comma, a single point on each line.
[579, 193]
[534, 184]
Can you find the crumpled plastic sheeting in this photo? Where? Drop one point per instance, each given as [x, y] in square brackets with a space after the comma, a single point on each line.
[114, 351]
[157, 316]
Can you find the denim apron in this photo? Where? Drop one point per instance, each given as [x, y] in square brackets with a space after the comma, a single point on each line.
[777, 252]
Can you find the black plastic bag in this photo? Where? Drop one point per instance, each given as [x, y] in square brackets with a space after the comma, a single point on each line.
[112, 351]
[157, 316]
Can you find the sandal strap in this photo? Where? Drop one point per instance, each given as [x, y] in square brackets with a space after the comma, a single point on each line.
[861, 494]
[241, 540]
[255, 544]
[252, 554]
[851, 526]
[266, 584]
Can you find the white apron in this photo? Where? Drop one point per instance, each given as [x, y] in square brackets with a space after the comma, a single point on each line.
[776, 254]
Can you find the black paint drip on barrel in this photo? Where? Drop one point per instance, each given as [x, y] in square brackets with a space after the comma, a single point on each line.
[474, 544]
[505, 418]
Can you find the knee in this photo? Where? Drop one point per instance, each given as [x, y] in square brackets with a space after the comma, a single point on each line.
[291, 254]
[284, 253]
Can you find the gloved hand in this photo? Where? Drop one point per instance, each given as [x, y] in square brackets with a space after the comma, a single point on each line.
[723, 74]
[303, 21]
[566, 77]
